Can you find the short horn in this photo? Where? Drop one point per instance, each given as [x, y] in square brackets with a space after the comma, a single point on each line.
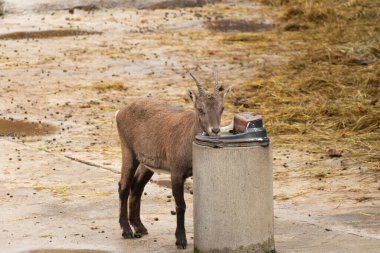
[202, 92]
[216, 88]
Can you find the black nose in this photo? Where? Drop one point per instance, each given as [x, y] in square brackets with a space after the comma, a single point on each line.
[216, 130]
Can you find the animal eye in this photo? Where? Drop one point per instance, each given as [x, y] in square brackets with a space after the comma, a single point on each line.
[201, 111]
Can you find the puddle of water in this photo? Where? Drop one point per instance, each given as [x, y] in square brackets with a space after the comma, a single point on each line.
[66, 251]
[89, 7]
[358, 219]
[238, 26]
[168, 4]
[45, 34]
[24, 128]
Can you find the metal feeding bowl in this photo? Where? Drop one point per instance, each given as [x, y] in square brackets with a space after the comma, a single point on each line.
[245, 130]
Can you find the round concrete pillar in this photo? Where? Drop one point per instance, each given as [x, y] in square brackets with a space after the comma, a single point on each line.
[233, 198]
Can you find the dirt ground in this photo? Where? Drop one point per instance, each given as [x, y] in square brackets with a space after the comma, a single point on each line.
[72, 71]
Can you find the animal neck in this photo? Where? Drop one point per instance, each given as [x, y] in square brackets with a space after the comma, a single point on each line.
[191, 125]
[197, 126]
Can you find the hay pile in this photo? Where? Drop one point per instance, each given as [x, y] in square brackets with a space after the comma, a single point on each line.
[327, 94]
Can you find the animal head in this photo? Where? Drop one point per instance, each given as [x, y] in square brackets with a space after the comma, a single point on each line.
[208, 106]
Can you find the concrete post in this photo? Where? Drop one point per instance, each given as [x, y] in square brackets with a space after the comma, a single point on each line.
[233, 199]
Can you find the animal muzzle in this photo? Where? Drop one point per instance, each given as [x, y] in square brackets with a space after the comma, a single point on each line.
[213, 131]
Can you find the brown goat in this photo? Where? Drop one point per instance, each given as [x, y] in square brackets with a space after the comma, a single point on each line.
[154, 135]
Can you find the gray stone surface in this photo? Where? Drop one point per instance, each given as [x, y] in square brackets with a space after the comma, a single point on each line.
[50, 202]
[53, 204]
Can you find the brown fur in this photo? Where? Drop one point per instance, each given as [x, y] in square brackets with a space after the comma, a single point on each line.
[140, 122]
[156, 135]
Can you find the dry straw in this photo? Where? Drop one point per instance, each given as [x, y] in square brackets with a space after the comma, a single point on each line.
[328, 93]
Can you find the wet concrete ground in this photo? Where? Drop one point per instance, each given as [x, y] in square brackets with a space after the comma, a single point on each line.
[49, 201]
[52, 204]
[60, 190]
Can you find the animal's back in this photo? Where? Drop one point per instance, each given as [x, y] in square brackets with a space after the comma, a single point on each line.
[160, 135]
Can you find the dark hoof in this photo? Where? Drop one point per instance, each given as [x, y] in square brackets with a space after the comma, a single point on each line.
[138, 235]
[127, 234]
[143, 232]
[181, 243]
[140, 229]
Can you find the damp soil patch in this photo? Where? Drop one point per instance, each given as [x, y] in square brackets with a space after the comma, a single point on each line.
[228, 25]
[24, 128]
[66, 251]
[46, 34]
[169, 4]
[109, 86]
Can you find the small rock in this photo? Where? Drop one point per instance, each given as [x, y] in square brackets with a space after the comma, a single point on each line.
[334, 153]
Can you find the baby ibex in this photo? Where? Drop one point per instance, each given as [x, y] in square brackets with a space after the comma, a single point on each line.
[158, 136]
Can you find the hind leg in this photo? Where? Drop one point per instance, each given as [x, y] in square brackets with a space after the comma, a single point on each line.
[141, 178]
[128, 169]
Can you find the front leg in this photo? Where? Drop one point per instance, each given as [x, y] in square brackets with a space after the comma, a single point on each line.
[180, 233]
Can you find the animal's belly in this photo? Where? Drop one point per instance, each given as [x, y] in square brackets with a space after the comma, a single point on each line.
[153, 162]
[157, 170]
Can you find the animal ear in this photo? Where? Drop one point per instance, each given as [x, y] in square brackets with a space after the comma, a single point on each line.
[192, 95]
[224, 92]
